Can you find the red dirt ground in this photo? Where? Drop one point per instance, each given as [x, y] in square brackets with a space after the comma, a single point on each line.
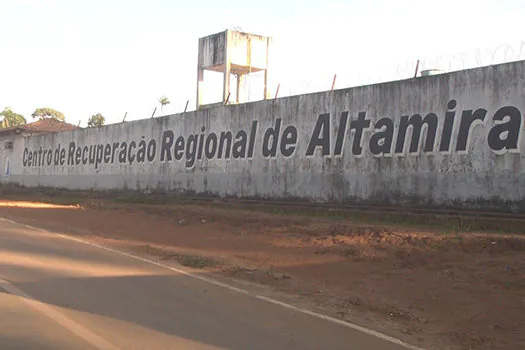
[435, 290]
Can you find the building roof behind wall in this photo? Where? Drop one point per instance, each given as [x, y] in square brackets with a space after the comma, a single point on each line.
[43, 126]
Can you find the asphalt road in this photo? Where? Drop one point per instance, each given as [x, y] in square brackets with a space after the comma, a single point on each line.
[56, 293]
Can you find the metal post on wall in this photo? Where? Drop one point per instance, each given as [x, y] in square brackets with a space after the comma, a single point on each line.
[124, 119]
[417, 69]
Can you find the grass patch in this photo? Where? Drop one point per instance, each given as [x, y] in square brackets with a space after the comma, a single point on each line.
[351, 251]
[442, 223]
[193, 261]
[197, 262]
[145, 199]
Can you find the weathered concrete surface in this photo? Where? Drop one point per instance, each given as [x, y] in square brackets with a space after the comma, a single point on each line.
[482, 165]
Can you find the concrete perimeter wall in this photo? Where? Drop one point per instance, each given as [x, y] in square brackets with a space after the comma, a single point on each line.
[446, 140]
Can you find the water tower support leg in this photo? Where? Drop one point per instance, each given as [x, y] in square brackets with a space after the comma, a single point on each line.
[239, 93]
[226, 90]
[200, 79]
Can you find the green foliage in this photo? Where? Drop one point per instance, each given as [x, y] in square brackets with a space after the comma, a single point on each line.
[42, 113]
[96, 120]
[164, 101]
[11, 119]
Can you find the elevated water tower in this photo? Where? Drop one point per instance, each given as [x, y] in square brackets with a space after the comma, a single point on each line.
[233, 53]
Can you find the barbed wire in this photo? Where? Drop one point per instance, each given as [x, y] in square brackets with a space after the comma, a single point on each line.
[253, 87]
[466, 60]
[446, 63]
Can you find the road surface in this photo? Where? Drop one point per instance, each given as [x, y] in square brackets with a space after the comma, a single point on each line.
[57, 293]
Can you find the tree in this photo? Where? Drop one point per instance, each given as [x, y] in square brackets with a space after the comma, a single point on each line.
[11, 119]
[43, 113]
[163, 101]
[96, 120]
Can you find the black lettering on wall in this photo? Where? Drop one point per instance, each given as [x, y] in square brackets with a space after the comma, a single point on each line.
[322, 127]
[239, 147]
[152, 150]
[211, 146]
[85, 152]
[253, 133]
[123, 153]
[114, 150]
[271, 139]
[416, 122]
[191, 151]
[165, 148]
[505, 136]
[414, 133]
[288, 141]
[92, 154]
[131, 156]
[107, 153]
[201, 143]
[359, 126]
[40, 156]
[100, 154]
[78, 155]
[141, 153]
[24, 157]
[57, 156]
[381, 141]
[70, 153]
[341, 133]
[468, 120]
[179, 148]
[225, 141]
[62, 156]
[448, 126]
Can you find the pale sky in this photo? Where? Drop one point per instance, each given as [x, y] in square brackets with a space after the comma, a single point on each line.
[116, 56]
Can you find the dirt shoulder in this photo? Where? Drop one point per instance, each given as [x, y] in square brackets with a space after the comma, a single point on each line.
[439, 289]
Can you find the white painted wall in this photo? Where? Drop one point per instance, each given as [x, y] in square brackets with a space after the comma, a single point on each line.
[478, 177]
